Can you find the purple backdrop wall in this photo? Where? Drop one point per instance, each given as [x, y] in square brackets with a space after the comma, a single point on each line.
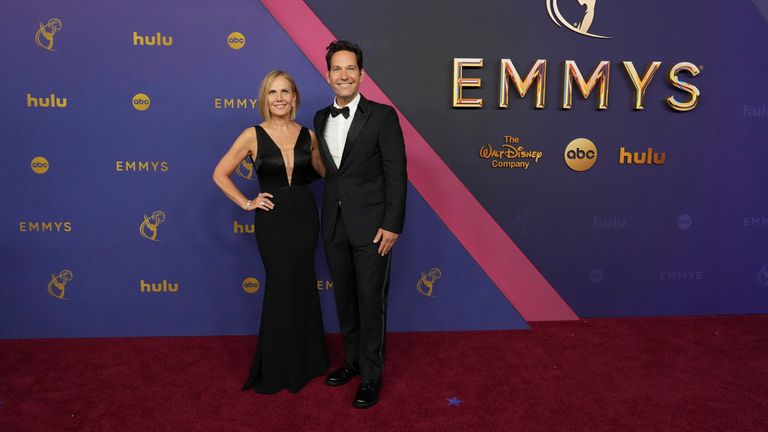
[685, 237]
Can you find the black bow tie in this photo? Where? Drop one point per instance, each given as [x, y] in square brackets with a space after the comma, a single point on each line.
[343, 111]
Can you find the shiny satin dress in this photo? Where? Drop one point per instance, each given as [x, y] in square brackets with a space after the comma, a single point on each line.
[291, 346]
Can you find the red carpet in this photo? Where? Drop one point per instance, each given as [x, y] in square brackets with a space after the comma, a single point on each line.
[656, 374]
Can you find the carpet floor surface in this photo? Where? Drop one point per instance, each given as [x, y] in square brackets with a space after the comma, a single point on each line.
[612, 374]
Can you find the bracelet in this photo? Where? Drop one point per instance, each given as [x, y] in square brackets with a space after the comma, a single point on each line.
[248, 205]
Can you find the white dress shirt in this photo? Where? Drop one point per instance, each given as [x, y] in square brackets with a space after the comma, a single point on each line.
[336, 130]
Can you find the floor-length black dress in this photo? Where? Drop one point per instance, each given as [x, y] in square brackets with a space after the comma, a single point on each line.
[291, 346]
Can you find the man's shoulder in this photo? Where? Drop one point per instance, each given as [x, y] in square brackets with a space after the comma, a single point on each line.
[321, 111]
[378, 107]
[319, 115]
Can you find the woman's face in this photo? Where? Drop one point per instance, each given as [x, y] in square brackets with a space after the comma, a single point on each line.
[280, 97]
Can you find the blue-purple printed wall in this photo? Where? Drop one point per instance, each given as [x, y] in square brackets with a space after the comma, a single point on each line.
[114, 116]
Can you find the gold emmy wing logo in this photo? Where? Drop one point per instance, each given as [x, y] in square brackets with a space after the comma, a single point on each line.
[236, 40]
[140, 101]
[251, 285]
[46, 32]
[148, 228]
[580, 27]
[245, 169]
[58, 283]
[426, 284]
[39, 165]
[762, 276]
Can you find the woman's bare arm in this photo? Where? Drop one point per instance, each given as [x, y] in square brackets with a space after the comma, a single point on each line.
[244, 145]
[317, 160]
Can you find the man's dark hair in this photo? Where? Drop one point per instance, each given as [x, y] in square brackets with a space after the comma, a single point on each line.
[343, 45]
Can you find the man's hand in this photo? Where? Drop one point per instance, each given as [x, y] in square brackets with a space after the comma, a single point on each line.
[386, 240]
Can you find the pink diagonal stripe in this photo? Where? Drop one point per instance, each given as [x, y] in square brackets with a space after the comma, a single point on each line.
[477, 231]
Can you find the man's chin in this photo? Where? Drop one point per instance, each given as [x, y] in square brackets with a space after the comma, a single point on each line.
[345, 93]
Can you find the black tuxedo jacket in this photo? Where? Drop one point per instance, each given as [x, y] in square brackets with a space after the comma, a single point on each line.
[369, 186]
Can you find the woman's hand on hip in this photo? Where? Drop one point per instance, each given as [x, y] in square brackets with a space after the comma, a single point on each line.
[261, 202]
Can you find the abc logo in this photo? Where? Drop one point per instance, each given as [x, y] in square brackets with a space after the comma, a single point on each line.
[684, 222]
[236, 40]
[39, 165]
[580, 154]
[141, 102]
[251, 285]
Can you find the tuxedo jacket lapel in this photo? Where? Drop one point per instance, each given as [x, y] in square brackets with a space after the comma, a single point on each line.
[361, 116]
[329, 164]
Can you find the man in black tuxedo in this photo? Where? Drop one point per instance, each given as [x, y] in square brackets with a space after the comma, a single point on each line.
[363, 211]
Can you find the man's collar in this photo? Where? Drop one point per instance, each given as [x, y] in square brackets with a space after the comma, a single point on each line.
[352, 105]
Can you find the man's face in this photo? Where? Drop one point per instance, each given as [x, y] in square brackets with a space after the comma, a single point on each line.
[344, 77]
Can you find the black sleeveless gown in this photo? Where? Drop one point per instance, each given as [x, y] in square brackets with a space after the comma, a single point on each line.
[291, 347]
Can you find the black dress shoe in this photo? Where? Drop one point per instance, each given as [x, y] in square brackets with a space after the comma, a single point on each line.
[342, 375]
[368, 394]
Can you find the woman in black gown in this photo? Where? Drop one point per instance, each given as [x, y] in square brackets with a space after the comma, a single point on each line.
[291, 345]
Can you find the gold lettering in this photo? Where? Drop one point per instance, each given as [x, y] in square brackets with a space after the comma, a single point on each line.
[459, 83]
[143, 166]
[130, 166]
[538, 72]
[244, 228]
[26, 226]
[641, 84]
[229, 103]
[602, 74]
[242, 103]
[217, 103]
[509, 152]
[684, 86]
[488, 152]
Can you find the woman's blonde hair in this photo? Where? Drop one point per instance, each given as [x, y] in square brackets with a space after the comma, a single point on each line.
[264, 100]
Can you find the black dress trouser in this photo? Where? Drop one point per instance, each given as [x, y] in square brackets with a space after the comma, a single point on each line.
[360, 286]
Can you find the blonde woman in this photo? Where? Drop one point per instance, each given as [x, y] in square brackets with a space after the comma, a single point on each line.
[291, 346]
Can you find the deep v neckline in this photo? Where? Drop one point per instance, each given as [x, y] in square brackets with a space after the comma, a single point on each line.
[288, 178]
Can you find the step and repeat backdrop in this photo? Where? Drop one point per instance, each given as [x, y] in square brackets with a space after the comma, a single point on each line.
[567, 159]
